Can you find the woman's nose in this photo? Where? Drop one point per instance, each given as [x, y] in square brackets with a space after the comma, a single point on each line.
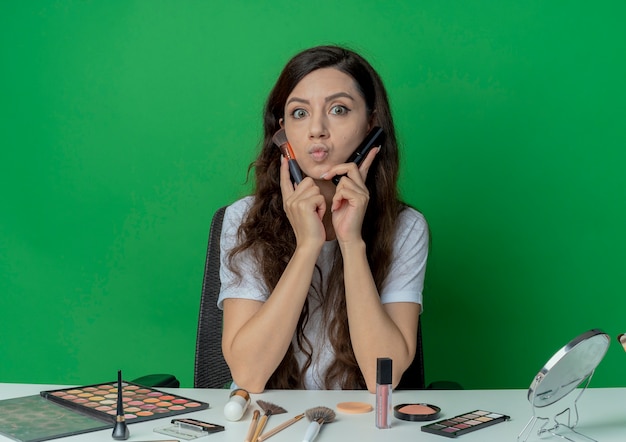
[318, 127]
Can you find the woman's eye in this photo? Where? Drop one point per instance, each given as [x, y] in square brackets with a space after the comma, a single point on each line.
[299, 113]
[339, 110]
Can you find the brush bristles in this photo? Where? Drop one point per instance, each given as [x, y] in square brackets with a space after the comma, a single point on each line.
[270, 408]
[323, 415]
[280, 138]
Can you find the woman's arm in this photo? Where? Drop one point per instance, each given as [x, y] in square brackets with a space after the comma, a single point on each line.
[257, 334]
[376, 330]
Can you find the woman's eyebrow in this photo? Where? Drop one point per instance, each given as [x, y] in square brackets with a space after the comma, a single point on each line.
[339, 95]
[298, 100]
[327, 99]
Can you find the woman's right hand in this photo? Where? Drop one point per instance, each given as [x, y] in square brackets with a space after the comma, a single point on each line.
[305, 207]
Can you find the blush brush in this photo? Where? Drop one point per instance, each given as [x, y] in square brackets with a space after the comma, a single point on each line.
[318, 417]
[269, 410]
[280, 139]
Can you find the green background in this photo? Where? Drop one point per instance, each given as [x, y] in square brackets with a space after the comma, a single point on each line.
[125, 124]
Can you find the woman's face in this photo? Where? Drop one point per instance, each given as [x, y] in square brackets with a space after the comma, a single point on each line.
[325, 120]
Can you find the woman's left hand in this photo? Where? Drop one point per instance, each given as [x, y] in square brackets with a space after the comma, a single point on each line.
[351, 198]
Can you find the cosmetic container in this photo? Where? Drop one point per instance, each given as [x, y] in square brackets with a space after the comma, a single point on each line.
[383, 392]
[237, 404]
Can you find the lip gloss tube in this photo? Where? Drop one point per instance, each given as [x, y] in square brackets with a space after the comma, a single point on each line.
[383, 392]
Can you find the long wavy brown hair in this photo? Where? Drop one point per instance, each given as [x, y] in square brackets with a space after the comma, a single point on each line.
[267, 233]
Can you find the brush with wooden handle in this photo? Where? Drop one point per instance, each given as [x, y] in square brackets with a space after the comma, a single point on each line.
[280, 427]
[269, 410]
[253, 425]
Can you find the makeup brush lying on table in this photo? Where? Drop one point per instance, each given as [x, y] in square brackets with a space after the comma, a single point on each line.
[252, 427]
[280, 427]
[318, 416]
[269, 409]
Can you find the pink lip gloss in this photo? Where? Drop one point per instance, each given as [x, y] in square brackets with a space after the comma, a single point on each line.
[383, 392]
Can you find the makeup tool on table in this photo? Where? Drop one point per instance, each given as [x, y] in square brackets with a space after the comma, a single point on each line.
[120, 430]
[354, 407]
[252, 427]
[140, 403]
[622, 340]
[318, 417]
[83, 409]
[383, 392]
[558, 381]
[189, 428]
[237, 404]
[280, 427]
[269, 409]
[280, 139]
[375, 137]
[416, 412]
[465, 423]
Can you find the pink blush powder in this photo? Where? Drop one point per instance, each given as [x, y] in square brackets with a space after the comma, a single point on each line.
[416, 409]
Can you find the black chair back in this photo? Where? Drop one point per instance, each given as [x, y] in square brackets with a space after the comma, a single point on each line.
[211, 370]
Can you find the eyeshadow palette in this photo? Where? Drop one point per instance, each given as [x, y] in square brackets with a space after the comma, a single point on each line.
[140, 403]
[464, 423]
[35, 419]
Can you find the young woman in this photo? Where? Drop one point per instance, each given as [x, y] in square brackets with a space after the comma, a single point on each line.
[318, 279]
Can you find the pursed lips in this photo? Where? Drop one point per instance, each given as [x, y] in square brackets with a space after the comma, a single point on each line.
[318, 152]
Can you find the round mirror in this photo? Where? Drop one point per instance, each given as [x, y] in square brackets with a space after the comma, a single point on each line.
[568, 368]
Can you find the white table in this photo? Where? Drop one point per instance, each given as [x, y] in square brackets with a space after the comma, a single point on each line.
[602, 415]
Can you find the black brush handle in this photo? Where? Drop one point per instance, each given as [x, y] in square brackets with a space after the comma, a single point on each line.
[296, 173]
[373, 138]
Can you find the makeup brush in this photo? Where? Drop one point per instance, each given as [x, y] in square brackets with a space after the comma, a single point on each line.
[253, 425]
[269, 409]
[120, 430]
[280, 139]
[318, 416]
[622, 340]
[280, 427]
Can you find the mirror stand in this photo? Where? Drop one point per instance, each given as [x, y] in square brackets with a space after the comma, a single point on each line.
[550, 415]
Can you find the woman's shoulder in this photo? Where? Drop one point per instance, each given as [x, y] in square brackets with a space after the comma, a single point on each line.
[235, 213]
[240, 207]
[411, 218]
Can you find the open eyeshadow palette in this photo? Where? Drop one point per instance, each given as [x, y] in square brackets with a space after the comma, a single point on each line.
[35, 419]
[464, 423]
[140, 403]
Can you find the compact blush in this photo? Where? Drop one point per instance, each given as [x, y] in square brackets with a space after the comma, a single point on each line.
[416, 412]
